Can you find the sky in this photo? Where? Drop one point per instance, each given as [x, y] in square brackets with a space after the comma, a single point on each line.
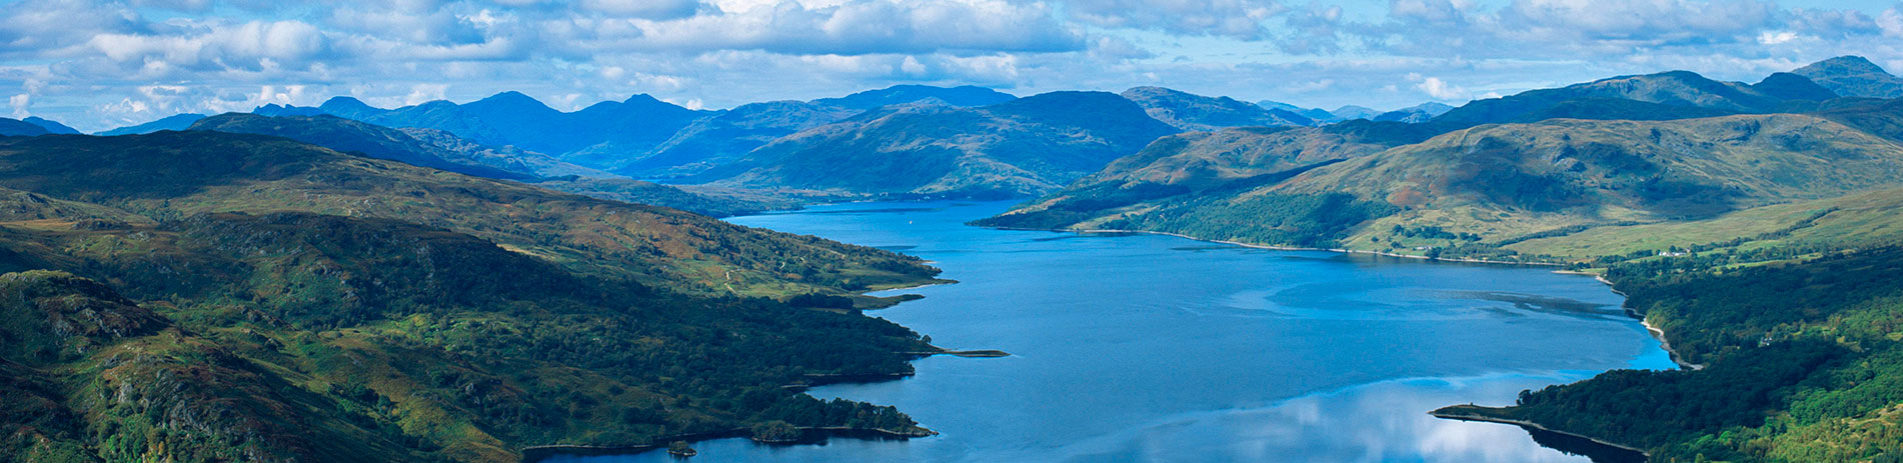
[98, 64]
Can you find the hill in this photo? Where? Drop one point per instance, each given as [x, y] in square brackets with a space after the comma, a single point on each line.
[357, 137]
[720, 139]
[53, 127]
[1414, 114]
[18, 128]
[1853, 76]
[1025, 146]
[210, 296]
[1492, 184]
[1315, 114]
[1188, 165]
[1675, 90]
[1200, 113]
[173, 122]
[442, 150]
[218, 172]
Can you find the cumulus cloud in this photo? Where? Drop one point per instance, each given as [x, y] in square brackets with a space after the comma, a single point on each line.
[19, 104]
[253, 46]
[1437, 88]
[858, 28]
[134, 60]
[1243, 19]
[1612, 29]
[643, 8]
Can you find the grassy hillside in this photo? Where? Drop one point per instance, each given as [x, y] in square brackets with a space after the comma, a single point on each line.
[709, 201]
[1491, 191]
[215, 172]
[1189, 165]
[201, 296]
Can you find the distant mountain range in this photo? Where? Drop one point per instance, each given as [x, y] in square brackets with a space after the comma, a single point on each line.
[913, 140]
[640, 136]
[442, 150]
[1020, 147]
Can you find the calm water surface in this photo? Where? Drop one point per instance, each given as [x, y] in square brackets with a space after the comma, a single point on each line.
[1155, 348]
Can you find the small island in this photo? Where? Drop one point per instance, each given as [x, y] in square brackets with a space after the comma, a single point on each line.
[680, 449]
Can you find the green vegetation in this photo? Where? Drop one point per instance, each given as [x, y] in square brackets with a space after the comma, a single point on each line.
[203, 296]
[1758, 226]
[1521, 189]
[1803, 362]
[1297, 220]
[1021, 147]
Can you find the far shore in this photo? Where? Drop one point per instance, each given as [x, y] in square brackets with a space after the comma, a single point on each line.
[537, 453]
[1287, 248]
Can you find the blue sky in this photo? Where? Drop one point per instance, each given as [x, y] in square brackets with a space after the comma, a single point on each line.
[101, 64]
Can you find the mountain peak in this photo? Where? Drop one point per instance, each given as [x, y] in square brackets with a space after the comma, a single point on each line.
[1847, 63]
[1853, 76]
[512, 98]
[963, 96]
[343, 101]
[643, 98]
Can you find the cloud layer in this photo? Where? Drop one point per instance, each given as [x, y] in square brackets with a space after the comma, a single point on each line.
[98, 64]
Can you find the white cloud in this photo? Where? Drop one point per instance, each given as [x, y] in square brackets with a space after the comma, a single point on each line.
[19, 104]
[96, 62]
[643, 8]
[1891, 22]
[1437, 88]
[424, 93]
[1243, 19]
[1776, 38]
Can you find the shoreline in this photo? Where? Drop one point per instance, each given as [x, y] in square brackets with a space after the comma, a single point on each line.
[810, 435]
[1531, 425]
[1286, 248]
[1649, 329]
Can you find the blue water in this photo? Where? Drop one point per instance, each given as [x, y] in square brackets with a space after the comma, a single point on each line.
[1154, 348]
